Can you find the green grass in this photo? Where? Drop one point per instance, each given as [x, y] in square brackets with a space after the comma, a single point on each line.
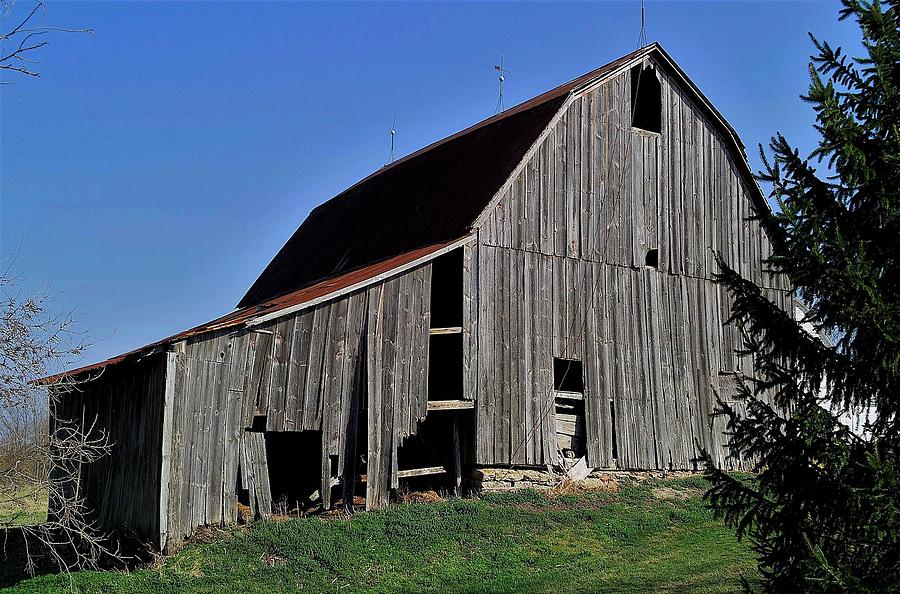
[29, 508]
[654, 536]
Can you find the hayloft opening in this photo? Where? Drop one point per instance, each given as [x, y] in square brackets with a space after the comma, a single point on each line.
[447, 290]
[652, 259]
[646, 100]
[445, 356]
[568, 375]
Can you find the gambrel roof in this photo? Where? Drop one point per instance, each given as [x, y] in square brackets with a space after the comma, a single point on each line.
[420, 206]
[432, 195]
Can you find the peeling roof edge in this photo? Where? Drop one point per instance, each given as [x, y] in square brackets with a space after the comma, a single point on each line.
[253, 315]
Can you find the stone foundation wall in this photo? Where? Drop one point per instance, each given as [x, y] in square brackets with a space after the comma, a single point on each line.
[511, 479]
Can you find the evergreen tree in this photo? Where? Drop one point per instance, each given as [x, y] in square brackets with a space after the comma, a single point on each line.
[823, 509]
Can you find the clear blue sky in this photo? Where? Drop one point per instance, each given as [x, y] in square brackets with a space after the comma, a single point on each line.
[159, 164]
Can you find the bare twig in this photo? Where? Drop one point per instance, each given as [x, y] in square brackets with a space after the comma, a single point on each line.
[19, 59]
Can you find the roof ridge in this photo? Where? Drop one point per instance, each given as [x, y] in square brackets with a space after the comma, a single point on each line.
[561, 89]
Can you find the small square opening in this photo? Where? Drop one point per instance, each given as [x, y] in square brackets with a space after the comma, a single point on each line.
[652, 259]
[568, 375]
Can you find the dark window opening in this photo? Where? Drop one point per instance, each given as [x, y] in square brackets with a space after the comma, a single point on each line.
[295, 474]
[571, 432]
[646, 102]
[445, 367]
[259, 423]
[652, 259]
[612, 418]
[242, 491]
[568, 375]
[447, 290]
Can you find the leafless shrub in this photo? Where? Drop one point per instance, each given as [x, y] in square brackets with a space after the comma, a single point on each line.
[39, 455]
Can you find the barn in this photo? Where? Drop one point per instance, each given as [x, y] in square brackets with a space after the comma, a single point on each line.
[531, 292]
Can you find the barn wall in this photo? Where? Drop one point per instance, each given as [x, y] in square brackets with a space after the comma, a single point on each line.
[305, 371]
[561, 273]
[397, 339]
[125, 403]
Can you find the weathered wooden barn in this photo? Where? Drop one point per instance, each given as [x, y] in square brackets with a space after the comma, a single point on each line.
[536, 287]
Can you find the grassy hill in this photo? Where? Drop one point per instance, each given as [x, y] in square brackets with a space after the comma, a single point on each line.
[651, 536]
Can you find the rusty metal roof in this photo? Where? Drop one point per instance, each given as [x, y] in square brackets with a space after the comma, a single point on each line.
[320, 291]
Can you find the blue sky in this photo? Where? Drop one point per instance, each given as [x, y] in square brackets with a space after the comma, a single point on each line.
[157, 166]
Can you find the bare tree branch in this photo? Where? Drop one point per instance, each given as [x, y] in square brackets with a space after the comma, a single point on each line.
[19, 60]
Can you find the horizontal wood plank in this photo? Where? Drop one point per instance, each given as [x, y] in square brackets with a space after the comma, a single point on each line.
[447, 330]
[431, 470]
[450, 405]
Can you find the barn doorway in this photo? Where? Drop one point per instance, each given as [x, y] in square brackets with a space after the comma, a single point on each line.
[295, 475]
[434, 458]
[571, 430]
[437, 456]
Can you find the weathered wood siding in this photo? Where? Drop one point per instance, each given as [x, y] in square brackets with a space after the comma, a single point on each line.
[561, 273]
[396, 374]
[306, 371]
[126, 404]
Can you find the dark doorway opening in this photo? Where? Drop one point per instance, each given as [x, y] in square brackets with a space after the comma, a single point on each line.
[571, 431]
[651, 260]
[295, 474]
[438, 456]
[445, 355]
[445, 367]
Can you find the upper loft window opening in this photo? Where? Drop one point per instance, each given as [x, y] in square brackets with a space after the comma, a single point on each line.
[568, 375]
[646, 100]
[651, 260]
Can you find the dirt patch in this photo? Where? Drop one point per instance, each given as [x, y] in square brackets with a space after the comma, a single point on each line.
[338, 510]
[676, 494]
[203, 534]
[421, 497]
[588, 485]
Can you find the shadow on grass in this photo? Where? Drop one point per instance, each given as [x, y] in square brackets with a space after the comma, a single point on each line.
[24, 555]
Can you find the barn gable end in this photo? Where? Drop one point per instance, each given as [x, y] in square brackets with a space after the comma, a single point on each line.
[600, 249]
